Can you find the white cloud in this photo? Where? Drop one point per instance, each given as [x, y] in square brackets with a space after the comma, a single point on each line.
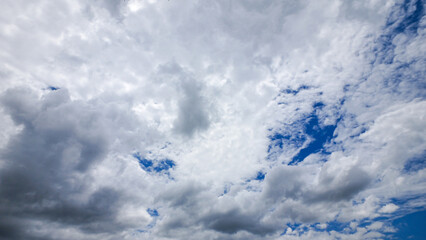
[209, 85]
[389, 208]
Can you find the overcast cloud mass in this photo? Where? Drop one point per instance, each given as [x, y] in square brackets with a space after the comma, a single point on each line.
[156, 119]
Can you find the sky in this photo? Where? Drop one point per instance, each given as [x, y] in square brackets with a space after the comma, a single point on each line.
[202, 119]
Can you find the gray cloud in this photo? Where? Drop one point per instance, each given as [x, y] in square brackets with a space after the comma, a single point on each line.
[193, 112]
[344, 186]
[285, 182]
[46, 166]
[208, 85]
[235, 220]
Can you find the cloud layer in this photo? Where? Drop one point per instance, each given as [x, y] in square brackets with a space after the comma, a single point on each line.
[211, 119]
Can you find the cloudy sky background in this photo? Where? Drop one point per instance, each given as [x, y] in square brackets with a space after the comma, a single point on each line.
[211, 119]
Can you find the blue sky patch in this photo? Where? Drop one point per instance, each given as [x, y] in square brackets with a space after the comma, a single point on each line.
[52, 88]
[152, 212]
[278, 140]
[302, 130]
[320, 136]
[226, 189]
[413, 11]
[260, 176]
[405, 18]
[150, 165]
[338, 227]
[318, 105]
[300, 228]
[416, 163]
[295, 91]
[411, 226]
[164, 165]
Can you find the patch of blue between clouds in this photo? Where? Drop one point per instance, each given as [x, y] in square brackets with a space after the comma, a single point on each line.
[339, 227]
[294, 91]
[320, 135]
[416, 163]
[301, 229]
[226, 189]
[52, 88]
[403, 201]
[152, 212]
[413, 12]
[279, 139]
[260, 176]
[411, 226]
[152, 165]
[405, 18]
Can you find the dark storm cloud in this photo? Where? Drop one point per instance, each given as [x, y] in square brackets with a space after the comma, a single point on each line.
[44, 166]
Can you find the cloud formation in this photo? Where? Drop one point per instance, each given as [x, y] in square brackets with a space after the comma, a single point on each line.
[211, 119]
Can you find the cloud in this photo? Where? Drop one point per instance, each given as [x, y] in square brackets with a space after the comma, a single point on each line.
[47, 170]
[211, 119]
[233, 221]
[192, 110]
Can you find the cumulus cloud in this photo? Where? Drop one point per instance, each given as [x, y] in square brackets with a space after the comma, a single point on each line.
[47, 174]
[211, 119]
